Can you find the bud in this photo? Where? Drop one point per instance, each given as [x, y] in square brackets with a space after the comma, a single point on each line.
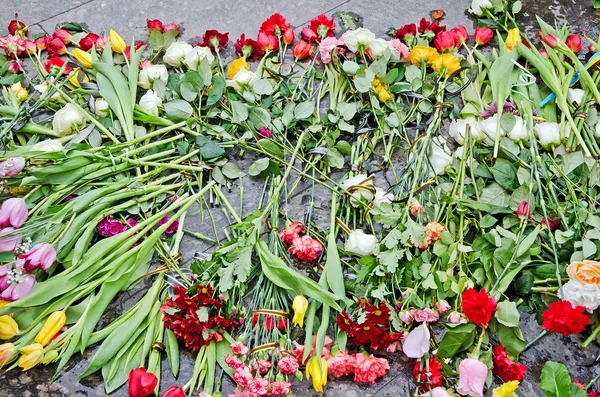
[308, 34]
[483, 35]
[524, 210]
[550, 39]
[117, 43]
[301, 50]
[444, 41]
[49, 357]
[53, 324]
[543, 53]
[300, 305]
[83, 57]
[13, 212]
[591, 48]
[31, 355]
[6, 350]
[288, 36]
[62, 35]
[574, 43]
[8, 327]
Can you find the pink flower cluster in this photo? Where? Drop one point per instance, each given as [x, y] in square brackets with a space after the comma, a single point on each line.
[109, 226]
[302, 245]
[366, 369]
[427, 315]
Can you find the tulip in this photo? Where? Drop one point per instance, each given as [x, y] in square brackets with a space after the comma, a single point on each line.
[301, 50]
[267, 42]
[13, 213]
[574, 43]
[550, 39]
[12, 166]
[67, 119]
[141, 383]
[30, 47]
[53, 324]
[48, 146]
[41, 43]
[236, 66]
[519, 130]
[460, 34]
[308, 34]
[62, 35]
[76, 79]
[174, 391]
[483, 35]
[359, 243]
[49, 357]
[102, 108]
[88, 41]
[300, 305]
[20, 92]
[471, 377]
[513, 39]
[56, 47]
[83, 57]
[524, 210]
[116, 42]
[317, 369]
[6, 351]
[416, 343]
[8, 327]
[444, 41]
[31, 356]
[543, 53]
[9, 243]
[550, 223]
[288, 36]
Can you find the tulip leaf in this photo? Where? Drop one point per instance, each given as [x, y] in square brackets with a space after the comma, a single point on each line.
[333, 265]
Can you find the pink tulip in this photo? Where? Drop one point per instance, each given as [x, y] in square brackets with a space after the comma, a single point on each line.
[15, 285]
[13, 213]
[9, 243]
[41, 255]
[471, 377]
[12, 166]
[416, 343]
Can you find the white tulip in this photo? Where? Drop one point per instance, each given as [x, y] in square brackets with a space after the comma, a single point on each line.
[358, 37]
[458, 129]
[150, 73]
[196, 55]
[377, 47]
[477, 6]
[67, 118]
[244, 79]
[519, 130]
[548, 133]
[101, 107]
[575, 95]
[48, 146]
[490, 128]
[359, 243]
[150, 102]
[381, 196]
[439, 158]
[360, 189]
[176, 52]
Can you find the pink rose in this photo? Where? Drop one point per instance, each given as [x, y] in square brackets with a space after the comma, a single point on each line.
[443, 306]
[416, 343]
[399, 46]
[471, 377]
[426, 315]
[456, 318]
[368, 370]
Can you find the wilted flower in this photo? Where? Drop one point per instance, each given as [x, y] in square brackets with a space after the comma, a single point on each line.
[291, 232]
[11, 166]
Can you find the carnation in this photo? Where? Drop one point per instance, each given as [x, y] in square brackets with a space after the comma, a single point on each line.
[306, 248]
[562, 318]
[369, 369]
[478, 307]
[428, 379]
[341, 364]
[506, 368]
[579, 294]
[288, 365]
[239, 348]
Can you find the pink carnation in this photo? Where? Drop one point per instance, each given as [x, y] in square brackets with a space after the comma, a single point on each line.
[328, 44]
[279, 387]
[239, 348]
[288, 365]
[243, 377]
[306, 248]
[341, 364]
[109, 227]
[259, 386]
[234, 362]
[292, 231]
[368, 370]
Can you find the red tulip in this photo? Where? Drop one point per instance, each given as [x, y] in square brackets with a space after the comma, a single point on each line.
[56, 62]
[574, 43]
[444, 41]
[42, 42]
[591, 48]
[543, 53]
[141, 383]
[30, 47]
[301, 49]
[551, 223]
[483, 35]
[288, 36]
[308, 34]
[17, 27]
[88, 41]
[460, 34]
[267, 42]
[174, 391]
[282, 324]
[524, 210]
[63, 35]
[269, 322]
[152, 24]
[550, 39]
[56, 47]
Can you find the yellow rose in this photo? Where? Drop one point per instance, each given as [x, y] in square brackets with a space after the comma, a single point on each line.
[421, 54]
[445, 64]
[586, 272]
[513, 39]
[19, 91]
[236, 66]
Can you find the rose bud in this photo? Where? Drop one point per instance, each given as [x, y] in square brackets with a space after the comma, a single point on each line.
[483, 35]
[460, 34]
[172, 26]
[524, 210]
[444, 41]
[88, 41]
[308, 34]
[12, 166]
[17, 27]
[574, 43]
[551, 223]
[63, 35]
[155, 24]
[301, 50]
[42, 42]
[288, 36]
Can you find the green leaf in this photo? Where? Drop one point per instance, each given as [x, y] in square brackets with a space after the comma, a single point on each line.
[507, 314]
[494, 194]
[270, 147]
[350, 67]
[512, 339]
[258, 166]
[232, 171]
[209, 150]
[239, 111]
[178, 110]
[335, 158]
[218, 85]
[333, 265]
[488, 221]
[555, 380]
[304, 110]
[505, 173]
[456, 340]
[262, 87]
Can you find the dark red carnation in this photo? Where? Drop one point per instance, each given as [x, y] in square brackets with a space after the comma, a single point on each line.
[506, 368]
[214, 39]
[245, 46]
[323, 26]
[478, 307]
[428, 378]
[563, 319]
[406, 30]
[274, 25]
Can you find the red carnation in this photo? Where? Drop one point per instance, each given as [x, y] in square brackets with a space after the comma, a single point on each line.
[17, 27]
[426, 26]
[406, 30]
[292, 231]
[155, 24]
[506, 368]
[563, 319]
[274, 25]
[57, 63]
[306, 248]
[88, 41]
[214, 39]
[429, 378]
[247, 47]
[323, 26]
[478, 306]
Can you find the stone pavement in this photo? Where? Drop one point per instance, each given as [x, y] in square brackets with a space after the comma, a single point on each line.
[129, 19]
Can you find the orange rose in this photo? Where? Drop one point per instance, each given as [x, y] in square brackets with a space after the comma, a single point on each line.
[586, 272]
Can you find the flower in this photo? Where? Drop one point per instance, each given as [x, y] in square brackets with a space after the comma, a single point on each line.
[506, 390]
[585, 272]
[456, 318]
[360, 243]
[341, 364]
[407, 31]
[174, 391]
[56, 63]
[327, 45]
[67, 119]
[548, 133]
[6, 351]
[31, 355]
[322, 26]
[247, 47]
[445, 64]
[152, 24]
[381, 197]
[483, 35]
[20, 92]
[141, 383]
[243, 80]
[83, 57]
[428, 374]
[78, 77]
[102, 108]
[306, 248]
[150, 73]
[416, 343]
[445, 41]
[550, 39]
[524, 210]
[86, 43]
[236, 66]
[172, 26]
[361, 189]
[369, 369]
[358, 38]
[308, 34]
[478, 307]
[172, 228]
[48, 146]
[41, 255]
[214, 39]
[288, 365]
[550, 223]
[267, 42]
[317, 369]
[239, 348]
[196, 55]
[506, 368]
[460, 34]
[377, 48]
[11, 166]
[292, 231]
[8, 327]
[277, 388]
[575, 95]
[477, 6]
[63, 35]
[8, 244]
[300, 305]
[150, 102]
[234, 362]
[13, 212]
[288, 36]
[274, 25]
[398, 49]
[439, 159]
[116, 42]
[17, 27]
[176, 53]
[574, 43]
[436, 392]
[513, 39]
[562, 318]
[458, 130]
[426, 315]
[471, 377]
[109, 227]
[14, 285]
[420, 54]
[301, 50]
[53, 324]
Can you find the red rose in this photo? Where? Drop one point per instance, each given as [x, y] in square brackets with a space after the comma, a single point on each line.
[155, 24]
[214, 39]
[141, 383]
[88, 41]
[172, 26]
[274, 25]
[174, 391]
[406, 30]
[368, 370]
[506, 368]
[478, 307]
[428, 378]
[17, 27]
[323, 26]
[57, 63]
[563, 319]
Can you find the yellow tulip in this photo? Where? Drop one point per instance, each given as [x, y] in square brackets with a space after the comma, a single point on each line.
[421, 54]
[3, 303]
[299, 305]
[445, 64]
[236, 66]
[51, 327]
[506, 390]
[383, 93]
[31, 356]
[513, 39]
[83, 57]
[19, 91]
[49, 357]
[318, 373]
[75, 79]
[6, 350]
[116, 42]
[8, 327]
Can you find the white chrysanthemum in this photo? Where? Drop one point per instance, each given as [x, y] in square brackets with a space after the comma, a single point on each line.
[586, 295]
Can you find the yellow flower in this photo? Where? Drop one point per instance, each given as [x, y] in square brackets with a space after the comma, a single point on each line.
[445, 64]
[236, 66]
[318, 373]
[49, 357]
[506, 390]
[3, 303]
[83, 57]
[421, 54]
[513, 39]
[31, 356]
[116, 42]
[19, 91]
[51, 327]
[299, 305]
[6, 350]
[75, 79]
[8, 327]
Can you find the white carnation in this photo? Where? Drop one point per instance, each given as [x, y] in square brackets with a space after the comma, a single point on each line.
[586, 295]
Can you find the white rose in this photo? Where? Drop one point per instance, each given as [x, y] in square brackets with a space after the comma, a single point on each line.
[196, 55]
[66, 119]
[49, 145]
[519, 130]
[358, 37]
[439, 158]
[548, 133]
[597, 130]
[579, 294]
[176, 52]
[459, 152]
[381, 196]
[360, 188]
[150, 73]
[478, 5]
[359, 243]
[243, 79]
[436, 392]
[101, 107]
[43, 88]
[458, 129]
[490, 128]
[575, 95]
[377, 47]
[150, 102]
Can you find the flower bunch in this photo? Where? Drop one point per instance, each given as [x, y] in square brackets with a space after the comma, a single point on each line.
[303, 246]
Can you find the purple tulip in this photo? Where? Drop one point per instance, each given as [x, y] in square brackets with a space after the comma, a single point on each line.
[12, 166]
[9, 243]
[13, 213]
[15, 285]
[41, 255]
